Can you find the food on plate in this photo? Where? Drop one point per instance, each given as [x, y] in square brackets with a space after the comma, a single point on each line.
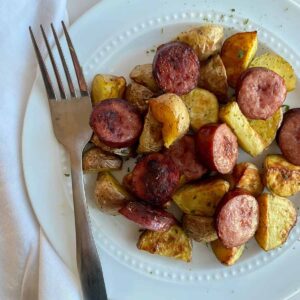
[217, 147]
[213, 77]
[171, 111]
[106, 87]
[277, 216]
[247, 137]
[109, 195]
[155, 178]
[206, 40]
[281, 177]
[260, 93]
[237, 53]
[202, 106]
[172, 243]
[96, 160]
[151, 139]
[236, 218]
[267, 129]
[127, 182]
[138, 95]
[279, 65]
[198, 228]
[148, 217]
[143, 75]
[289, 136]
[116, 123]
[227, 256]
[183, 154]
[246, 176]
[176, 68]
[201, 198]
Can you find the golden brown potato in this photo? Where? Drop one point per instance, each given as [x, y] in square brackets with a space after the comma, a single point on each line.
[96, 160]
[213, 77]
[279, 65]
[171, 111]
[151, 139]
[202, 106]
[142, 74]
[237, 53]
[227, 256]
[110, 196]
[138, 95]
[277, 216]
[172, 243]
[198, 228]
[281, 177]
[107, 86]
[206, 40]
[201, 198]
[248, 138]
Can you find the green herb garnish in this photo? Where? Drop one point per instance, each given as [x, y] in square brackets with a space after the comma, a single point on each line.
[240, 54]
[285, 107]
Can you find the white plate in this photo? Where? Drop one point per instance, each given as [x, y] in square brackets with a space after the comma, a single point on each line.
[116, 48]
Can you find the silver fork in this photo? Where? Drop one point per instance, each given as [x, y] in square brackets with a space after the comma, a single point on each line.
[70, 119]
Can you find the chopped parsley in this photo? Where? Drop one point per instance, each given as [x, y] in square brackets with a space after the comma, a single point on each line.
[240, 54]
[285, 107]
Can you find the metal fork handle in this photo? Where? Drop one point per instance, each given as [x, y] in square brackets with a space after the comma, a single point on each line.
[88, 263]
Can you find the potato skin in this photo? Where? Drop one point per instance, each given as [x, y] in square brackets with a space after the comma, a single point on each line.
[277, 216]
[198, 228]
[281, 177]
[173, 243]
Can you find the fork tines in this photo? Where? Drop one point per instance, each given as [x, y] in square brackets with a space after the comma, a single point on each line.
[78, 70]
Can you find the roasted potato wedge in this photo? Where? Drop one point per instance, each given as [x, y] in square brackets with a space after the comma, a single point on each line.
[151, 139]
[198, 228]
[237, 53]
[201, 198]
[281, 177]
[138, 95]
[96, 160]
[110, 196]
[202, 106]
[279, 65]
[246, 176]
[227, 256]
[142, 74]
[206, 40]
[247, 137]
[172, 243]
[277, 216]
[213, 77]
[171, 111]
[107, 86]
[267, 129]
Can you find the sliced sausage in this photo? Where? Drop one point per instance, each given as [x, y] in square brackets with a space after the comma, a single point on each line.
[183, 154]
[176, 68]
[217, 147]
[148, 217]
[289, 136]
[236, 218]
[154, 179]
[116, 123]
[260, 93]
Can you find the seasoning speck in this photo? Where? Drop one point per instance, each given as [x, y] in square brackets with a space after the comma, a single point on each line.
[162, 31]
[233, 10]
[246, 21]
[240, 54]
[67, 175]
[285, 107]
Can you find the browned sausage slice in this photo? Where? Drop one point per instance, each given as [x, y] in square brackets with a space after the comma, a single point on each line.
[260, 93]
[217, 147]
[116, 123]
[148, 217]
[183, 154]
[236, 218]
[289, 136]
[176, 68]
[154, 179]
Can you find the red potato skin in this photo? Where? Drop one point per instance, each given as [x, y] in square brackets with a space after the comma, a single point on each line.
[116, 123]
[148, 217]
[245, 225]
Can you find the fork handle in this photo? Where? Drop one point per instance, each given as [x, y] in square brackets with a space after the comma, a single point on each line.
[88, 262]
